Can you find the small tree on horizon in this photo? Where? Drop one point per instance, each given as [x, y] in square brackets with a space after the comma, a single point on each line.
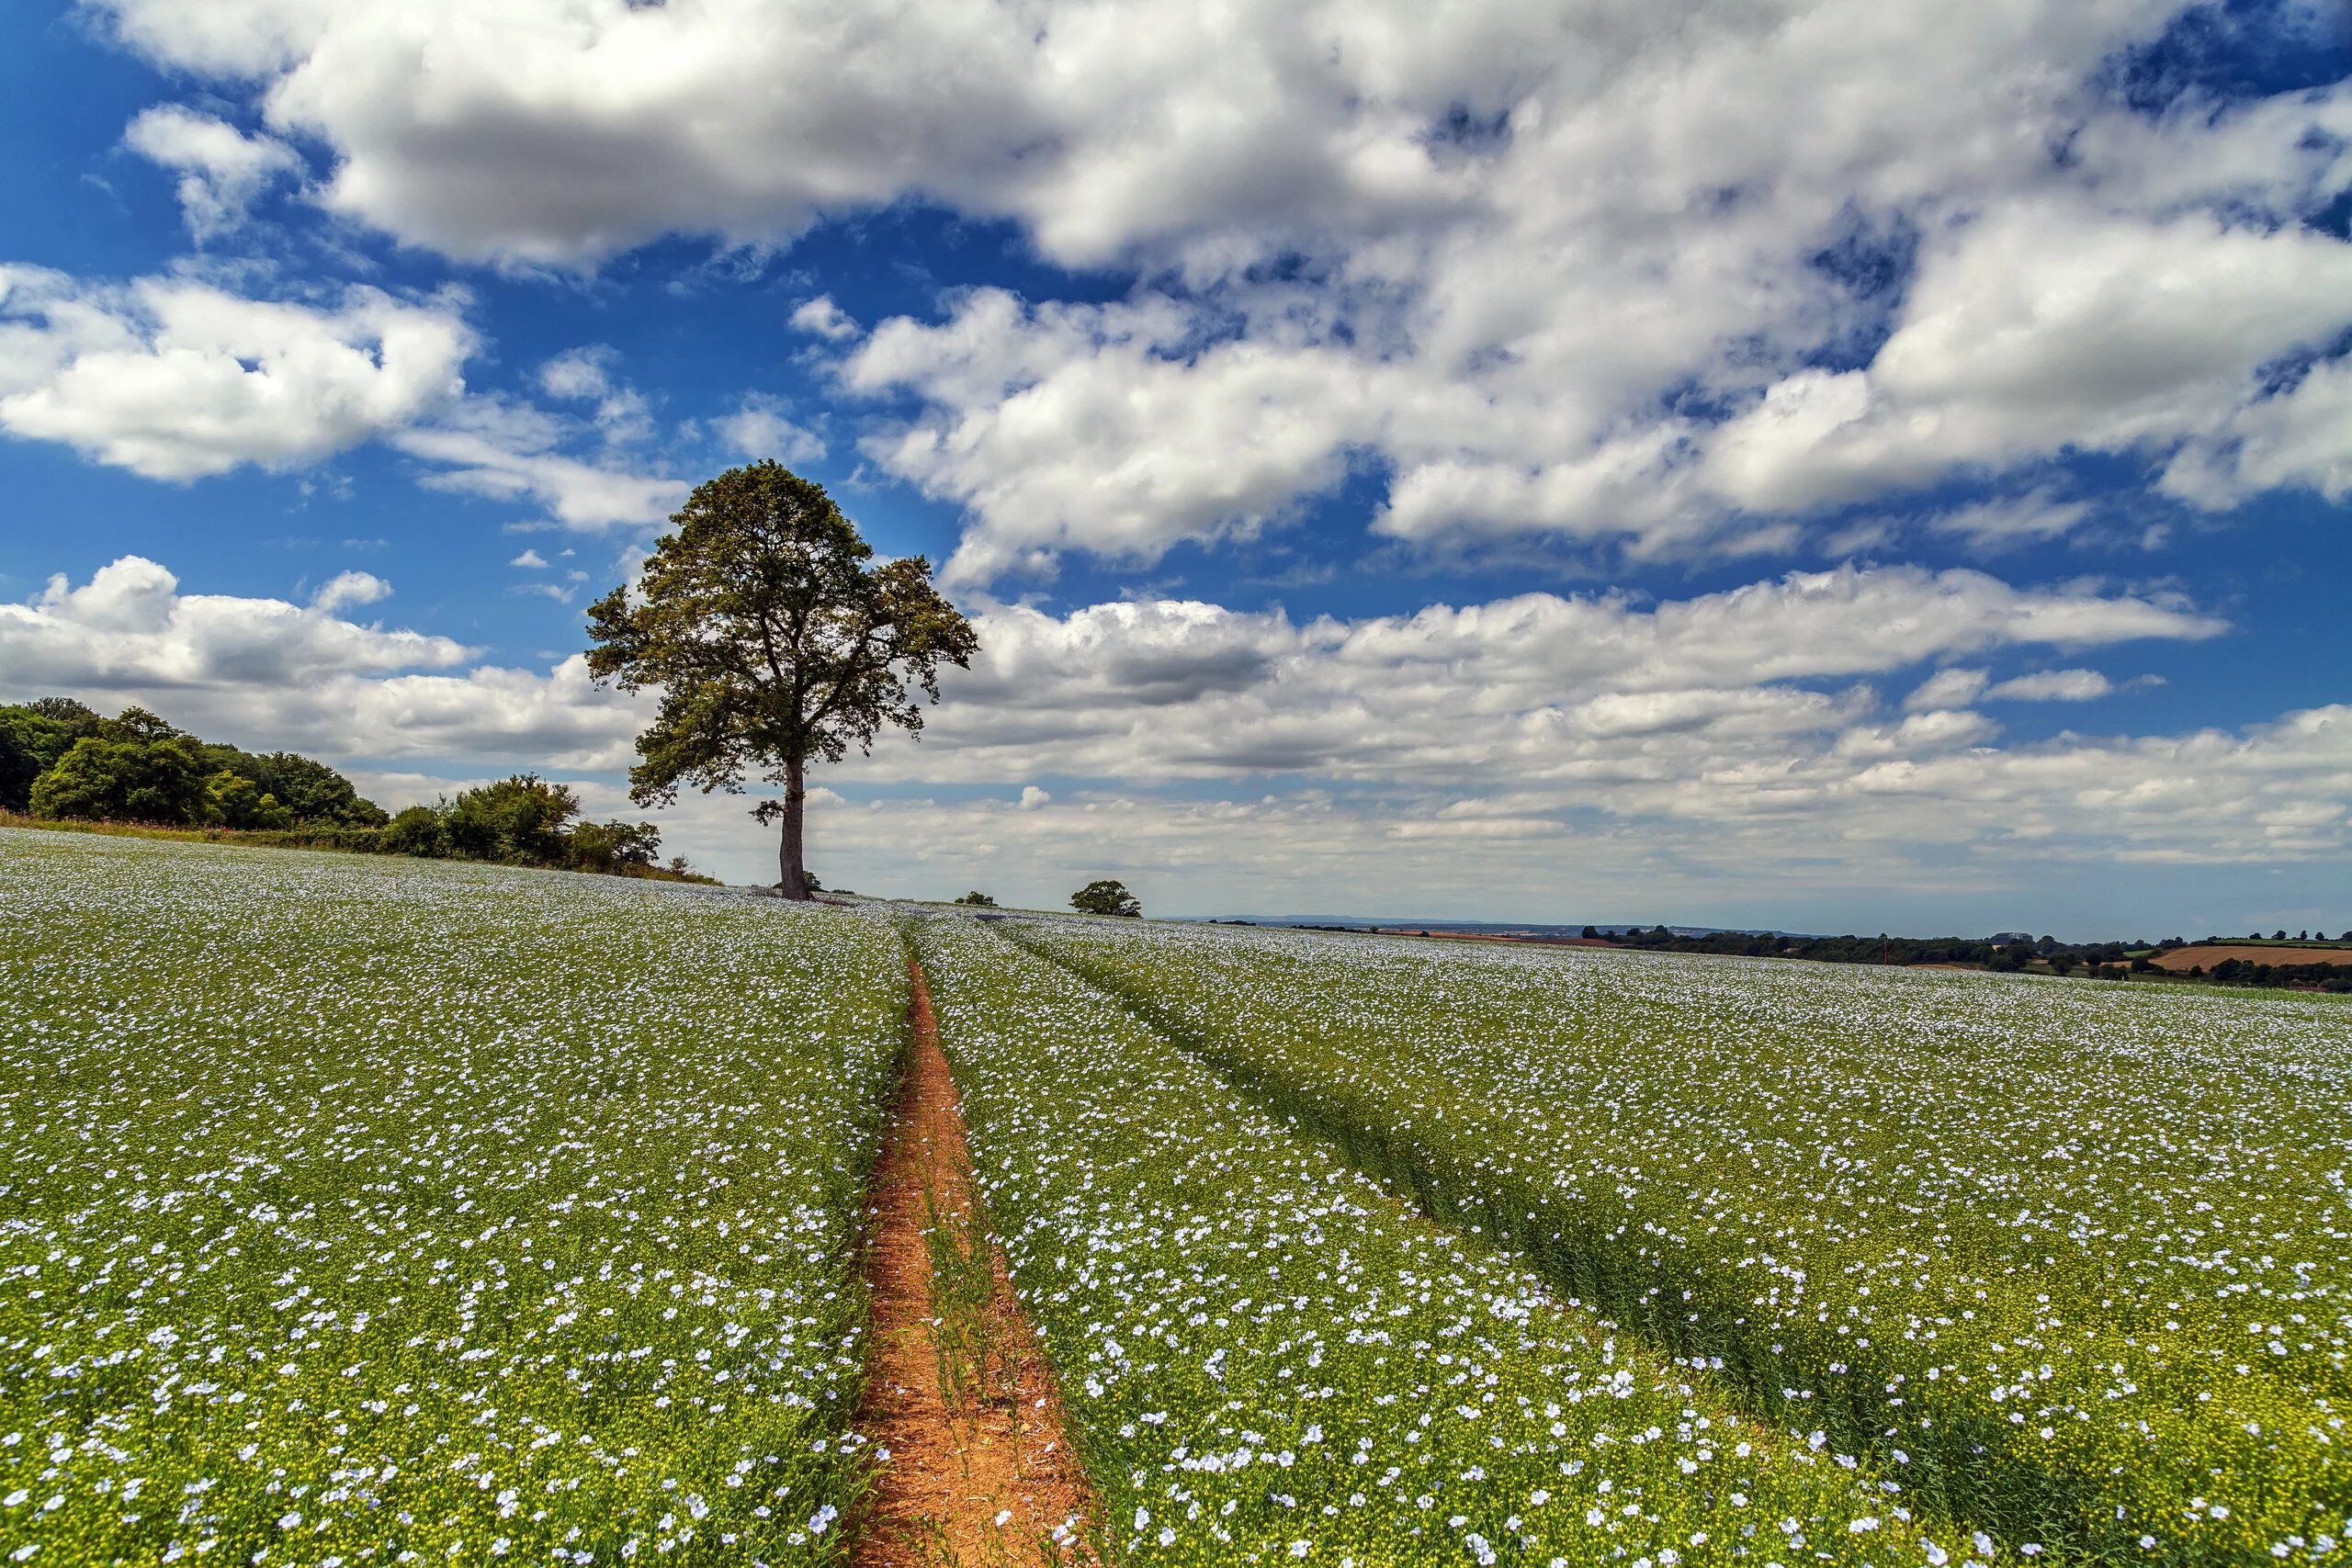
[1105, 895]
[773, 643]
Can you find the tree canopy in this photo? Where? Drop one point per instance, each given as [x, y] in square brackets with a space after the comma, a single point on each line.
[1105, 897]
[774, 643]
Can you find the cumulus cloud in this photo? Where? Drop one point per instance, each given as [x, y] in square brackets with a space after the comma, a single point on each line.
[269, 672]
[506, 450]
[129, 629]
[1534, 686]
[1953, 688]
[760, 428]
[2036, 331]
[1698, 729]
[1663, 274]
[2053, 686]
[821, 318]
[176, 380]
[1075, 426]
[222, 170]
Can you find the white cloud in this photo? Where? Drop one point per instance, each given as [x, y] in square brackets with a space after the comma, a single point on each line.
[347, 588]
[759, 428]
[1074, 426]
[1698, 730]
[130, 629]
[585, 375]
[1994, 524]
[531, 559]
[2035, 331]
[2053, 686]
[1954, 688]
[265, 673]
[821, 318]
[506, 451]
[176, 380]
[222, 170]
[1527, 256]
[2300, 437]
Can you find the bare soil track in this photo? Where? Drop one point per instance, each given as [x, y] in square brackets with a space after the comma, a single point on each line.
[958, 1393]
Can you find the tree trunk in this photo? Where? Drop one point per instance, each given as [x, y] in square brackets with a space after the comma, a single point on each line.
[794, 884]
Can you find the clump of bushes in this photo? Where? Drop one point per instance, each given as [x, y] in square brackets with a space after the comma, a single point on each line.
[61, 761]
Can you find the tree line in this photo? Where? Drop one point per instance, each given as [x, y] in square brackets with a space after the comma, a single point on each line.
[61, 760]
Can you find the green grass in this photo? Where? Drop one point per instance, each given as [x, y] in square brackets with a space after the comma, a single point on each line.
[1265, 1356]
[352, 1210]
[2072, 1261]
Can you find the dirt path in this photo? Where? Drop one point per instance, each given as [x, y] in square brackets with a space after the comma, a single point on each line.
[958, 1395]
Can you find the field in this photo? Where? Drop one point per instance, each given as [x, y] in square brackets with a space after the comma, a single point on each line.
[358, 1211]
[2204, 956]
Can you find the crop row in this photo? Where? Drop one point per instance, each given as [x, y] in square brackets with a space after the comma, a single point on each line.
[2073, 1263]
[1266, 1357]
[351, 1212]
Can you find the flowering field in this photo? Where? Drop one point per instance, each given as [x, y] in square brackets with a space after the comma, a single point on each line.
[1267, 1359]
[2070, 1262]
[355, 1211]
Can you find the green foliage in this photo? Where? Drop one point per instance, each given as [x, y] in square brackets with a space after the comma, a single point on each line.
[978, 899]
[522, 819]
[237, 802]
[32, 738]
[773, 643]
[125, 780]
[1105, 895]
[610, 846]
[308, 789]
[416, 830]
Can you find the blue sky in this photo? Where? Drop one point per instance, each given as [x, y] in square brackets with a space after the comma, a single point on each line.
[1813, 464]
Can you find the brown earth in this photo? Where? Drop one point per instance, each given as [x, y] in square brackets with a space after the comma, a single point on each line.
[2180, 960]
[964, 1448]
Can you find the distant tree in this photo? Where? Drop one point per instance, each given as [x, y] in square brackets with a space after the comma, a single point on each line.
[613, 846]
[1105, 897]
[417, 830]
[236, 802]
[522, 818]
[125, 780]
[773, 643]
[1591, 934]
[137, 723]
[2061, 962]
[979, 898]
[2279, 936]
[2303, 936]
[66, 711]
[309, 789]
[33, 736]
[2347, 936]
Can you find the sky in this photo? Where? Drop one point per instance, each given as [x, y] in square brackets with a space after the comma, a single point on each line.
[1831, 465]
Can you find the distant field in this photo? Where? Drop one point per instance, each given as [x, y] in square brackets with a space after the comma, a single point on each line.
[2180, 960]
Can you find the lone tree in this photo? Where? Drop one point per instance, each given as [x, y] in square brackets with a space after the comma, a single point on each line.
[1105, 897]
[773, 643]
